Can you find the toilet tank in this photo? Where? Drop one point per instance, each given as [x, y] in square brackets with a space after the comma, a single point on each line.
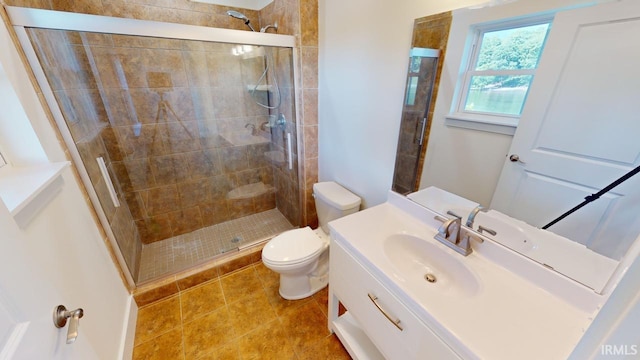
[333, 202]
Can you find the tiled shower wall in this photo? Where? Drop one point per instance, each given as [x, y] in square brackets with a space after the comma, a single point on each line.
[170, 159]
[294, 17]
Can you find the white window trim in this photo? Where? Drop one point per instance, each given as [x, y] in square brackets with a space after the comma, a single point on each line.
[490, 122]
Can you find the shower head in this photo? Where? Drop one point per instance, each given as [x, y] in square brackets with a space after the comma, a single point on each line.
[241, 16]
[237, 15]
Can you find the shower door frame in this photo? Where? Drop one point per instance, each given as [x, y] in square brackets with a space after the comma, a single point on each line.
[22, 18]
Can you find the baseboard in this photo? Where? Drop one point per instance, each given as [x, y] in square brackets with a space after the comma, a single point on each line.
[129, 331]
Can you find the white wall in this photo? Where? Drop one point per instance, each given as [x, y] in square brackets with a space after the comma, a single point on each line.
[364, 53]
[363, 58]
[463, 161]
[63, 238]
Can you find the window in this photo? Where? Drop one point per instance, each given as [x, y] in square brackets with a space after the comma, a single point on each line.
[502, 67]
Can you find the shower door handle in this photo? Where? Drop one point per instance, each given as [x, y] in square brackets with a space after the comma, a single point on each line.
[290, 157]
[108, 182]
[424, 123]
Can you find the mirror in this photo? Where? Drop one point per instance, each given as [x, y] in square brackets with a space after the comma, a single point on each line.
[572, 113]
[421, 76]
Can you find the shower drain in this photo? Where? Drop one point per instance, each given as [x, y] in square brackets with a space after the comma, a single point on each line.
[236, 239]
[430, 278]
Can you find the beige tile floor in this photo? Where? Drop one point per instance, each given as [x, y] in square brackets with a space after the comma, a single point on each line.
[238, 316]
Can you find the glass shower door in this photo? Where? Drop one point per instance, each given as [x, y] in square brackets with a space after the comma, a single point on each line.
[178, 136]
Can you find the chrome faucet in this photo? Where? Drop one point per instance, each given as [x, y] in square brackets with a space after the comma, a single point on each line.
[473, 213]
[455, 236]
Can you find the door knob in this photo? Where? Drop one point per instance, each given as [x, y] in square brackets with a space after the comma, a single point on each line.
[515, 158]
[60, 317]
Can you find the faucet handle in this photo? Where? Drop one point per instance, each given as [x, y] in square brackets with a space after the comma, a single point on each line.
[482, 229]
[446, 231]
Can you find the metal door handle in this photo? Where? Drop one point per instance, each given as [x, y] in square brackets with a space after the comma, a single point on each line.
[424, 124]
[60, 317]
[515, 158]
[107, 180]
[289, 152]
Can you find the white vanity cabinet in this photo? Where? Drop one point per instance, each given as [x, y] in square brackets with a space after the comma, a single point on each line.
[374, 334]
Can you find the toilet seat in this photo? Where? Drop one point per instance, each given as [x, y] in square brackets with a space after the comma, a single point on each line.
[293, 247]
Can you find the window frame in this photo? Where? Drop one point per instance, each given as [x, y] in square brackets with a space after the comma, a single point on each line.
[477, 34]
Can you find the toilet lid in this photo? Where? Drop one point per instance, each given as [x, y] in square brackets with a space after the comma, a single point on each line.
[293, 246]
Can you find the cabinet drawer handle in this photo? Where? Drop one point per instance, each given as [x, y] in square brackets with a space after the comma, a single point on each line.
[374, 300]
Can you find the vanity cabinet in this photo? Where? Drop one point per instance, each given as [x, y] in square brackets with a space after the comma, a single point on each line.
[377, 324]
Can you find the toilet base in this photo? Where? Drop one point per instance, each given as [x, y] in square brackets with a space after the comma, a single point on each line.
[300, 287]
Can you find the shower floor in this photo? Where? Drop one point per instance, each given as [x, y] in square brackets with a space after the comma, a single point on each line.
[184, 251]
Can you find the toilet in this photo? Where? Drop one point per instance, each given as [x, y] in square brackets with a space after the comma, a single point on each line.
[301, 256]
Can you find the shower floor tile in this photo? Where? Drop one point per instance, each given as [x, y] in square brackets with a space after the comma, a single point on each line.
[184, 251]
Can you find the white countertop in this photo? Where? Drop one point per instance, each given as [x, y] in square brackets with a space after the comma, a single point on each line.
[513, 314]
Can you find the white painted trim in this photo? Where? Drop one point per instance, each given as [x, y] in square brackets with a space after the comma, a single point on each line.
[21, 185]
[129, 330]
[424, 52]
[47, 92]
[60, 20]
[489, 123]
[13, 340]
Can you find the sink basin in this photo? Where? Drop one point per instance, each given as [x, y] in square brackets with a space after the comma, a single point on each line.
[427, 265]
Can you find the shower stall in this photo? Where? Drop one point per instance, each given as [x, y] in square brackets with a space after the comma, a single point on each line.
[185, 136]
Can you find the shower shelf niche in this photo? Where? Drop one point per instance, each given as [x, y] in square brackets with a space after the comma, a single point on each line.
[240, 138]
[249, 191]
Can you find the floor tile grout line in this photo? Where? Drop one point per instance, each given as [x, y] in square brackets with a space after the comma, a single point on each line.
[278, 318]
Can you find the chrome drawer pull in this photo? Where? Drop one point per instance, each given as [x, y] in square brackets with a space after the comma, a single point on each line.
[374, 299]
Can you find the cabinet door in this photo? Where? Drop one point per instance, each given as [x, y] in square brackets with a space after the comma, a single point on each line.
[355, 287]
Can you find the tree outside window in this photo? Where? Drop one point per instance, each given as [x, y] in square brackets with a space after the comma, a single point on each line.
[502, 69]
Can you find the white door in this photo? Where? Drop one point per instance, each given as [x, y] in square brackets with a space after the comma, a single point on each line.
[580, 131]
[27, 303]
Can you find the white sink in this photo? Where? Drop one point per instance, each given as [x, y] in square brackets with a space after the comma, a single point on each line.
[488, 305]
[427, 265]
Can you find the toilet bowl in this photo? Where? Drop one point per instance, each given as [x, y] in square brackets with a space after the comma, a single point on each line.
[301, 256]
